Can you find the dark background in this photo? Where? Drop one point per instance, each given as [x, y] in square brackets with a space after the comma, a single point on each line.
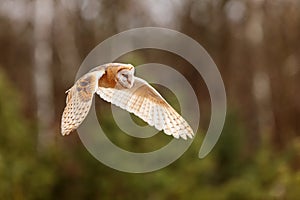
[255, 44]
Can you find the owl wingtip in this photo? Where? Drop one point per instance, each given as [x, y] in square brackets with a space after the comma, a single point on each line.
[187, 136]
[65, 132]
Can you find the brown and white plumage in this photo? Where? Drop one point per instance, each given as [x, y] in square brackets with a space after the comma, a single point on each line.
[117, 84]
[79, 101]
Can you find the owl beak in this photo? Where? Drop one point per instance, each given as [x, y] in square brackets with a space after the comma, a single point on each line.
[130, 83]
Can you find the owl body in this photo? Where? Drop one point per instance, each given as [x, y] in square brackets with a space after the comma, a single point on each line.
[116, 83]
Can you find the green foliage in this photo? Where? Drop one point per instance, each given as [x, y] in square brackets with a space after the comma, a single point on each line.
[68, 171]
[22, 175]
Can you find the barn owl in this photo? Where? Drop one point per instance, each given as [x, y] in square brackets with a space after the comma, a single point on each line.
[116, 83]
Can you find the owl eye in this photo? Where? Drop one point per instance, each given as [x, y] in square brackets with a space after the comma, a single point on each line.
[125, 75]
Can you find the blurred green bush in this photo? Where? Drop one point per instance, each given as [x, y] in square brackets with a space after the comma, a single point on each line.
[68, 171]
[23, 175]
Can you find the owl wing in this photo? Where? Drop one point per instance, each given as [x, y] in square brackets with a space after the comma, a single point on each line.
[79, 101]
[145, 102]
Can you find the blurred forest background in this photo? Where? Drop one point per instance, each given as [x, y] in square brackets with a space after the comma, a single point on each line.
[255, 44]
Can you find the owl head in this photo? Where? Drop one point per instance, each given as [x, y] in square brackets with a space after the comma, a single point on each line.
[125, 76]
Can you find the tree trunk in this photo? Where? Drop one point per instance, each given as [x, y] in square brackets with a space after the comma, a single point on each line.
[43, 18]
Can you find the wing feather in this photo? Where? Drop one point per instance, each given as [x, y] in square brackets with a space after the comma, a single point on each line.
[145, 102]
[79, 101]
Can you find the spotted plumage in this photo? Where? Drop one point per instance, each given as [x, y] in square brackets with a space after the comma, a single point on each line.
[116, 83]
